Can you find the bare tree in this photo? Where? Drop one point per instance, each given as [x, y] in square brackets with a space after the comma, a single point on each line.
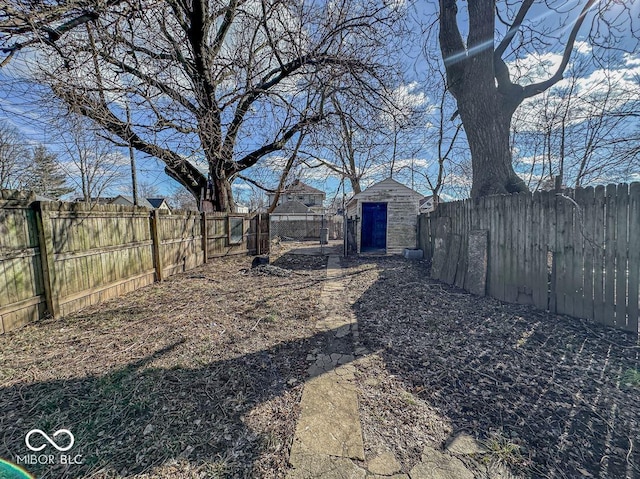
[91, 161]
[447, 136]
[14, 156]
[182, 199]
[350, 142]
[479, 76]
[148, 190]
[24, 24]
[581, 129]
[230, 82]
[44, 174]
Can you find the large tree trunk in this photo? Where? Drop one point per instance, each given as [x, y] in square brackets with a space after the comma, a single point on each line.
[219, 192]
[478, 77]
[487, 122]
[485, 109]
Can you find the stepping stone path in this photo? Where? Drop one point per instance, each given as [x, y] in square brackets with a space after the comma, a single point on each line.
[328, 441]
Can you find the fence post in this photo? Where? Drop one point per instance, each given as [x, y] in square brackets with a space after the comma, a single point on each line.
[155, 238]
[258, 239]
[45, 235]
[205, 239]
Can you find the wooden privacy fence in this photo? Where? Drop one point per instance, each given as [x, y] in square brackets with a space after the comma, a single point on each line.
[57, 258]
[574, 252]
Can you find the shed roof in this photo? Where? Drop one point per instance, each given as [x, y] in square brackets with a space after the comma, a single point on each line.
[386, 184]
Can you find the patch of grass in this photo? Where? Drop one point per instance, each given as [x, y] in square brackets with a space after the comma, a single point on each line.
[631, 377]
[503, 450]
[409, 399]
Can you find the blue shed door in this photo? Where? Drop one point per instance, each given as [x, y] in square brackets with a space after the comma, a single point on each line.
[374, 226]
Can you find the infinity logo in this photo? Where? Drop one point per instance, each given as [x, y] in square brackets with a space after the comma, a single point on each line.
[49, 440]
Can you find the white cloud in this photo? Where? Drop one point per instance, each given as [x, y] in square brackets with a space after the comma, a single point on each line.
[631, 60]
[395, 5]
[407, 100]
[583, 47]
[534, 67]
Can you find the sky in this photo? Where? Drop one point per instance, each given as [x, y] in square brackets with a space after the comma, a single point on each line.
[20, 108]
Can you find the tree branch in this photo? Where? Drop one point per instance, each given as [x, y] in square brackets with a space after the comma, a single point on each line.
[255, 183]
[164, 88]
[452, 46]
[176, 166]
[515, 26]
[252, 158]
[32, 22]
[537, 88]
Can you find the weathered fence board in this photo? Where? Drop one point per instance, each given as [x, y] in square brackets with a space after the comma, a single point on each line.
[588, 217]
[61, 257]
[599, 254]
[634, 257]
[94, 253]
[180, 239]
[572, 252]
[622, 249]
[609, 250]
[22, 297]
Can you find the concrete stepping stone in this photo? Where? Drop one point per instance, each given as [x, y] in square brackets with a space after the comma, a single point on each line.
[328, 434]
[464, 444]
[438, 465]
[384, 464]
[320, 466]
[329, 422]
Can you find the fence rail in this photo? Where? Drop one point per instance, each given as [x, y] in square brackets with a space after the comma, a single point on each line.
[56, 258]
[574, 252]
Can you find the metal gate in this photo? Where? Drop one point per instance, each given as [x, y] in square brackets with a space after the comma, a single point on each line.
[350, 239]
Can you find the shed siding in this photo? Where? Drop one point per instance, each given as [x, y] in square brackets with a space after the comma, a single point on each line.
[402, 213]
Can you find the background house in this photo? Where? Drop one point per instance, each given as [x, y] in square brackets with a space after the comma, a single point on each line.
[241, 209]
[159, 203]
[428, 204]
[128, 201]
[383, 218]
[151, 203]
[292, 207]
[302, 193]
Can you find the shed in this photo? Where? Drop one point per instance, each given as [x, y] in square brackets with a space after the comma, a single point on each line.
[383, 218]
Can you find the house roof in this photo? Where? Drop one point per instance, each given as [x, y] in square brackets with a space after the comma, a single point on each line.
[298, 186]
[292, 207]
[128, 200]
[386, 183]
[157, 202]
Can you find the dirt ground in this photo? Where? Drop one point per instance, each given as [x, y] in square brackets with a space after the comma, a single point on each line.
[548, 396]
[200, 376]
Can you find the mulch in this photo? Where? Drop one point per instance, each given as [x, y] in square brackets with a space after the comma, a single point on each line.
[200, 376]
[550, 396]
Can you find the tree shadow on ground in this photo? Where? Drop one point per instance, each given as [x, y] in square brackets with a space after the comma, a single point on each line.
[294, 262]
[138, 418]
[565, 393]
